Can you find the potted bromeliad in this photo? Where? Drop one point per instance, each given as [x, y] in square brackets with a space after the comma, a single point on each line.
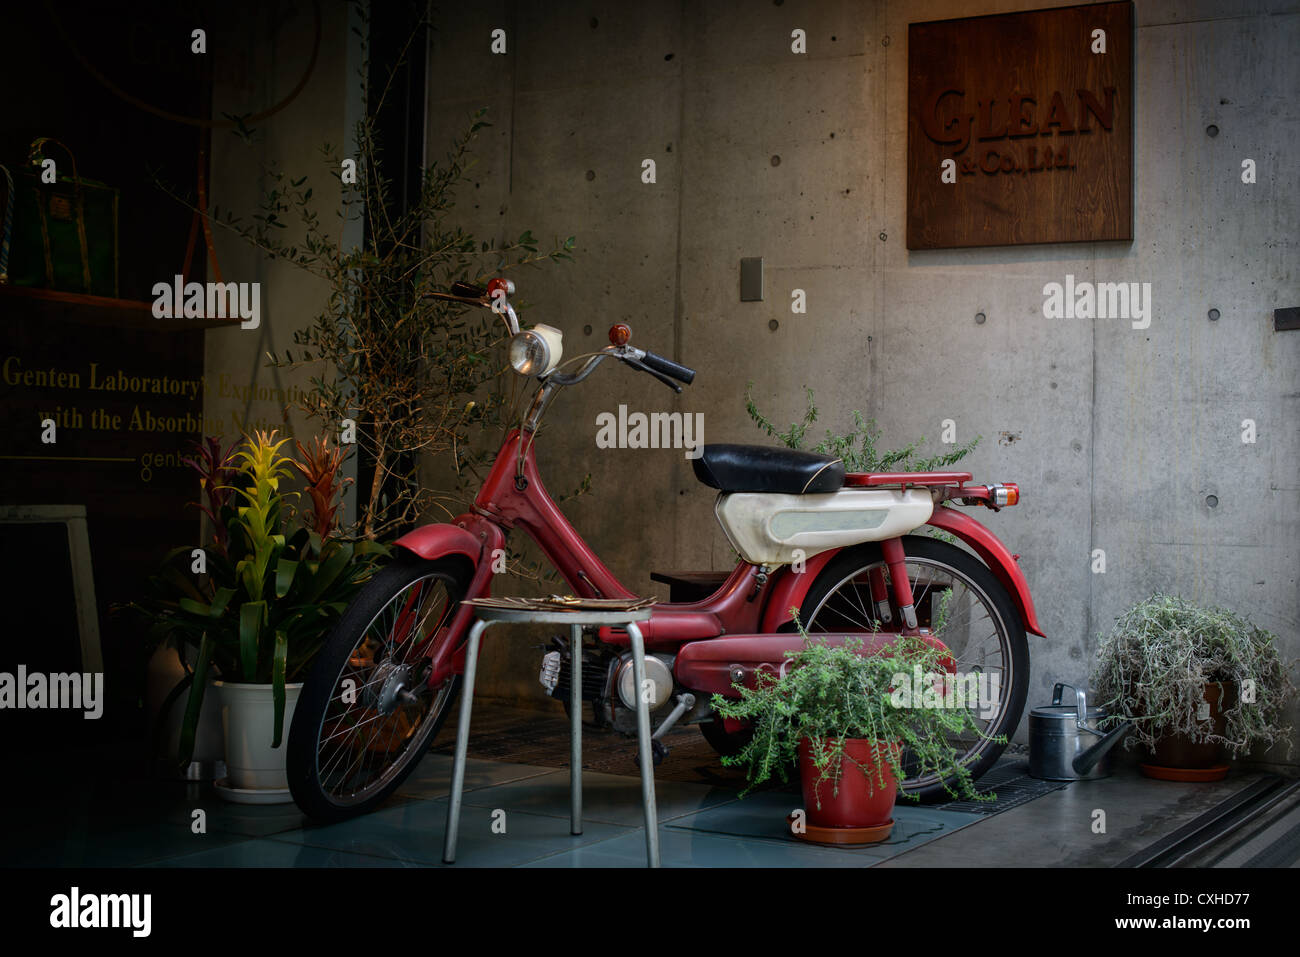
[851, 721]
[1194, 683]
[257, 601]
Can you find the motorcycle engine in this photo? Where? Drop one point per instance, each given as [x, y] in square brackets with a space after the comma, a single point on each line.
[608, 683]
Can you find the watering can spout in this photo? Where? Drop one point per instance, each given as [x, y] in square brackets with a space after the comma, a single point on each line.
[1084, 762]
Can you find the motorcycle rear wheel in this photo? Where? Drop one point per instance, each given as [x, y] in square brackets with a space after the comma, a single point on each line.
[839, 601]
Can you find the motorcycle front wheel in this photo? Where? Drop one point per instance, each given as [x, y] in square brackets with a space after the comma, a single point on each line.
[366, 714]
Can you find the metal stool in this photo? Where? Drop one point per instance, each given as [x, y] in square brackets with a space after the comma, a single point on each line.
[578, 614]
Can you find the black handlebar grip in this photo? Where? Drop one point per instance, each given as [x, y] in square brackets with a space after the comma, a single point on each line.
[669, 368]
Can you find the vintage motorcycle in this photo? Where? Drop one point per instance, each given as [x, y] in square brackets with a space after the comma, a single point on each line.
[835, 547]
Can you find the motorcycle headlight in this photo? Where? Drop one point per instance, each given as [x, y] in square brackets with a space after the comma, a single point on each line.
[536, 351]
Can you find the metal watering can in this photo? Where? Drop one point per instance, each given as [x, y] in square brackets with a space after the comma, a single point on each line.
[1066, 742]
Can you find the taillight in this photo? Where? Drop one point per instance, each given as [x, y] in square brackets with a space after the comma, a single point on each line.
[504, 285]
[1004, 494]
[620, 333]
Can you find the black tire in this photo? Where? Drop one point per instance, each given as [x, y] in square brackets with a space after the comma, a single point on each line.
[980, 580]
[726, 743]
[358, 629]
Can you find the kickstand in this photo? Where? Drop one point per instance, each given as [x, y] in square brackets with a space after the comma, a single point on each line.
[658, 751]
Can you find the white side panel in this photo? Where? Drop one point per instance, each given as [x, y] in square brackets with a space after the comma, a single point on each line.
[768, 528]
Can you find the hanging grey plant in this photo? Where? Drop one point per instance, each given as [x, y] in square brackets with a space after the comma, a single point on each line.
[1153, 666]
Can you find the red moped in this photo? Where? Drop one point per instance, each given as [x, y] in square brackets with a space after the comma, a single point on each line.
[834, 548]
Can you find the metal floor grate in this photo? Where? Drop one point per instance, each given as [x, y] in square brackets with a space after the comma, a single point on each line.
[1013, 785]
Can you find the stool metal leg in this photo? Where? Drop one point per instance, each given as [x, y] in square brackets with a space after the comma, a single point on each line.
[575, 733]
[462, 743]
[643, 740]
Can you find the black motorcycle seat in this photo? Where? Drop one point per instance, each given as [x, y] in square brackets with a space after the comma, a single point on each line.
[762, 468]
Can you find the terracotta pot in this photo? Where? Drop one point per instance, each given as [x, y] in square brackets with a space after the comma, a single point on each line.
[862, 801]
[1178, 751]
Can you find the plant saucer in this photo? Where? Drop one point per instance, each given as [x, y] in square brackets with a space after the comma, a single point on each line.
[843, 835]
[1216, 773]
[252, 795]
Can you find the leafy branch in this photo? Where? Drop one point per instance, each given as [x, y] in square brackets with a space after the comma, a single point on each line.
[859, 447]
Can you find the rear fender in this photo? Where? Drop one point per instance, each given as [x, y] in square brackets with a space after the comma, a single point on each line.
[790, 588]
[995, 555]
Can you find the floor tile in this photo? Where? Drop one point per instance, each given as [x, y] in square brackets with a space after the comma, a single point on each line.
[432, 779]
[266, 853]
[608, 798]
[413, 833]
[682, 847]
[119, 816]
[763, 817]
[105, 843]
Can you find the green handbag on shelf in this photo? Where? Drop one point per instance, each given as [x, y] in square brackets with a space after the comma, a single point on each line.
[60, 235]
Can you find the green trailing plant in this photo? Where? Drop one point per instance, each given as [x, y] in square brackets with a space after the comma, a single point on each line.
[830, 694]
[859, 447]
[1153, 666]
[939, 611]
[259, 602]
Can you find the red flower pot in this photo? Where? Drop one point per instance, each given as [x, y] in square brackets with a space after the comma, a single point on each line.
[863, 802]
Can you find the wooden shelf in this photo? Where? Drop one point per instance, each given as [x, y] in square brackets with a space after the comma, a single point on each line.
[23, 301]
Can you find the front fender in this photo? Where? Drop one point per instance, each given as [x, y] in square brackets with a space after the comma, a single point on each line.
[995, 555]
[475, 539]
[437, 541]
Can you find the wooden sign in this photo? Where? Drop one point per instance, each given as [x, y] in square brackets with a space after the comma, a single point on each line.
[1020, 128]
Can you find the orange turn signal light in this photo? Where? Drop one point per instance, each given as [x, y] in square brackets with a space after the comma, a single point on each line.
[1004, 494]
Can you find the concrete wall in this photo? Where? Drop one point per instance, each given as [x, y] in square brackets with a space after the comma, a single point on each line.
[1122, 433]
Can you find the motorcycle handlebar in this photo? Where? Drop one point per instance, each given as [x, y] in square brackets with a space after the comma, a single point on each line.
[465, 290]
[669, 368]
[660, 367]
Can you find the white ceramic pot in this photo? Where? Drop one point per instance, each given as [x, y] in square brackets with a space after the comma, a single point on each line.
[248, 719]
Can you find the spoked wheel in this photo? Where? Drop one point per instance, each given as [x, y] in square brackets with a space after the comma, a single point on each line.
[961, 603]
[366, 714]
